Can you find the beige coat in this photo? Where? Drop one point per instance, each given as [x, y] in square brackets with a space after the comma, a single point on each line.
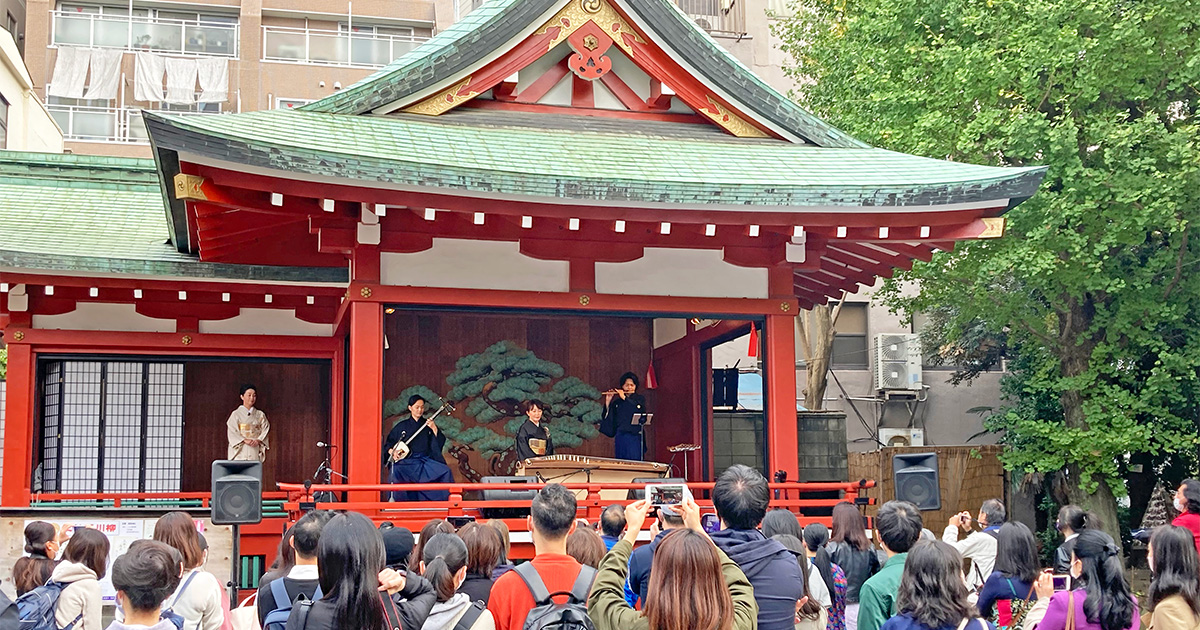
[1172, 613]
[80, 597]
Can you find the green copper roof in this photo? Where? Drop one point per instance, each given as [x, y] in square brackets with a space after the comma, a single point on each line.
[97, 214]
[555, 156]
[454, 51]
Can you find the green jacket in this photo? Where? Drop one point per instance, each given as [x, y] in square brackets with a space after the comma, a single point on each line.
[877, 598]
[609, 611]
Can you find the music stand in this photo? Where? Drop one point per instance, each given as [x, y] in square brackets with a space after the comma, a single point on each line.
[649, 417]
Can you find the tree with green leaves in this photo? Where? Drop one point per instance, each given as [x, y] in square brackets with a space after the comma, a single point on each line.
[1094, 283]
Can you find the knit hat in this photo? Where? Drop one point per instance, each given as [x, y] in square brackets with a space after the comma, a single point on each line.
[398, 544]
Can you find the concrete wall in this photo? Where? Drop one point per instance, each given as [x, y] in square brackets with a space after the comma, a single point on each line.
[30, 127]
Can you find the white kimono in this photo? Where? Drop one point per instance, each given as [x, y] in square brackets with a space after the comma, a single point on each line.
[247, 424]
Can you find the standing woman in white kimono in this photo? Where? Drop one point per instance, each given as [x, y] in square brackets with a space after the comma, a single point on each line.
[247, 429]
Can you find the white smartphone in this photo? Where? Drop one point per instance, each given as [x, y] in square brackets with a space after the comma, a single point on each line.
[659, 494]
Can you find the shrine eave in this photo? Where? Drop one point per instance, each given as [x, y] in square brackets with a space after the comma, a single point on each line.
[530, 157]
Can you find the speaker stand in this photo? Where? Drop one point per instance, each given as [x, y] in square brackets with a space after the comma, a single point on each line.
[234, 575]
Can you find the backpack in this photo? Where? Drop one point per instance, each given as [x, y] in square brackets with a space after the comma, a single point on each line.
[169, 613]
[36, 608]
[277, 619]
[548, 615]
[470, 617]
[10, 616]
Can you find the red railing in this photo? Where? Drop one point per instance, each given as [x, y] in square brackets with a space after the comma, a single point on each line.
[137, 499]
[591, 504]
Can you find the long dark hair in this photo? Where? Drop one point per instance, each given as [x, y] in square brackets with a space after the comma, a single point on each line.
[1016, 552]
[781, 521]
[931, 587]
[848, 527]
[33, 571]
[1191, 493]
[285, 558]
[444, 556]
[350, 556]
[812, 608]
[687, 588]
[1108, 602]
[1176, 566]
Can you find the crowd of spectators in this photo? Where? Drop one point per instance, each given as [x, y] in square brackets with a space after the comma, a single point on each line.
[760, 570]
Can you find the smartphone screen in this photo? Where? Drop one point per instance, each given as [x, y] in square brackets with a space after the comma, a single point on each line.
[711, 523]
[459, 521]
[1062, 582]
[666, 493]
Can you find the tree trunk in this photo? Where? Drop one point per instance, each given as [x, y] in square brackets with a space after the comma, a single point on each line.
[816, 331]
[1075, 354]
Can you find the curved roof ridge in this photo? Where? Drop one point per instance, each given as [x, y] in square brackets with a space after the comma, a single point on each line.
[471, 40]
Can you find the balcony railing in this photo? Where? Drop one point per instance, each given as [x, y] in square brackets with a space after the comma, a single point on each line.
[334, 48]
[189, 37]
[121, 125]
[719, 17]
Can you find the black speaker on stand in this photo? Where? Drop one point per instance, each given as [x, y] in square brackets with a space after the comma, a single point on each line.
[916, 479]
[236, 500]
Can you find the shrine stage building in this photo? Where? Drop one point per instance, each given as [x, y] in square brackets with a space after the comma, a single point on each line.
[547, 194]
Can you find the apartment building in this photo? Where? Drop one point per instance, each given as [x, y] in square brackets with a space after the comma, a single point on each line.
[98, 63]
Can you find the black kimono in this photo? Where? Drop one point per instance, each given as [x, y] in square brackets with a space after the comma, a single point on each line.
[626, 416]
[530, 431]
[424, 464]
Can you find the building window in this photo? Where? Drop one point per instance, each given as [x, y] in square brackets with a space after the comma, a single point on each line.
[111, 426]
[3, 123]
[291, 103]
[719, 17]
[850, 341]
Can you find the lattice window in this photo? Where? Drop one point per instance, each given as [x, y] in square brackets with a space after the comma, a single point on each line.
[112, 426]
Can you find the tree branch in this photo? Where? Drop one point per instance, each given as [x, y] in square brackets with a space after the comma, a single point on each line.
[1178, 265]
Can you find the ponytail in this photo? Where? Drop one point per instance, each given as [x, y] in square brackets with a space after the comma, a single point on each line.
[1109, 601]
[444, 556]
[1077, 519]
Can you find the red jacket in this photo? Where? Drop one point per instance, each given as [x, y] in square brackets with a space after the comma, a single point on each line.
[1192, 522]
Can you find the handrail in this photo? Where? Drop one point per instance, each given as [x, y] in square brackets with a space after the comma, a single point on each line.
[820, 486]
[117, 498]
[291, 44]
[122, 122]
[184, 47]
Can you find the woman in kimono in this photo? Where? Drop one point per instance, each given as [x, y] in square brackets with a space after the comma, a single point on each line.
[533, 438]
[424, 463]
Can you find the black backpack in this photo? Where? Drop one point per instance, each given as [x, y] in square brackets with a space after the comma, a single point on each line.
[548, 615]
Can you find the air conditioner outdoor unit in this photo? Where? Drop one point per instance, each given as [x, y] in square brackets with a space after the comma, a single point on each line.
[898, 362]
[902, 437]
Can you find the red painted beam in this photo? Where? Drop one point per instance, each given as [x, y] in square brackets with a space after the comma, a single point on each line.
[582, 93]
[689, 306]
[624, 93]
[540, 108]
[203, 344]
[543, 84]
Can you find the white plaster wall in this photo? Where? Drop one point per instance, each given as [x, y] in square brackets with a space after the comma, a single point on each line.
[465, 264]
[30, 126]
[104, 316]
[681, 272]
[668, 329]
[266, 321]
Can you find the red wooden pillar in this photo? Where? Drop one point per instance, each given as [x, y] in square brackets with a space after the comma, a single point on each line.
[364, 441]
[780, 375]
[18, 426]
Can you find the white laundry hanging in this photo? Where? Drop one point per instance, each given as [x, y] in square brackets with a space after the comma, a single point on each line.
[106, 73]
[214, 79]
[181, 81]
[148, 77]
[70, 72]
